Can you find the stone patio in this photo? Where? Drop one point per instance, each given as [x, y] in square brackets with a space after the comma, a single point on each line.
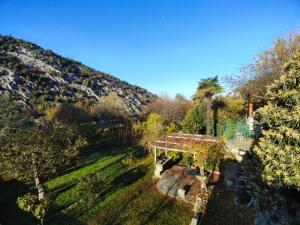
[181, 180]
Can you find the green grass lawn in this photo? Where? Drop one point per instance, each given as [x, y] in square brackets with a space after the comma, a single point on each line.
[127, 200]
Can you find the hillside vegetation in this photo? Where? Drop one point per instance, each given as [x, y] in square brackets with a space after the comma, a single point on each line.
[40, 76]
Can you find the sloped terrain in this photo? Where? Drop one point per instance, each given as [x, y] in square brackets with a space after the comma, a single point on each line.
[39, 75]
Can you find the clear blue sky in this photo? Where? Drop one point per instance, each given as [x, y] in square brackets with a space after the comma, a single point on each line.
[162, 45]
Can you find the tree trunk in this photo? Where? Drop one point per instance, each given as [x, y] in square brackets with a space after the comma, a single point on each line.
[39, 186]
[38, 181]
[208, 115]
[250, 109]
[215, 122]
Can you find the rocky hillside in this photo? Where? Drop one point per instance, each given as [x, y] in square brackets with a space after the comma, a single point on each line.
[41, 76]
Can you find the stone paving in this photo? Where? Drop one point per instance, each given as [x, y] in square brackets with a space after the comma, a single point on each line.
[179, 178]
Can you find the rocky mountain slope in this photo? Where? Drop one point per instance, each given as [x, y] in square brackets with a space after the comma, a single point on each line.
[41, 76]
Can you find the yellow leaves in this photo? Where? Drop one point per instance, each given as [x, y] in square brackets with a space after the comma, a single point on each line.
[110, 106]
[153, 128]
[207, 152]
[171, 128]
[51, 112]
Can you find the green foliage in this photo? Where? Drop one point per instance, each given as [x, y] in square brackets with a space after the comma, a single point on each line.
[187, 159]
[153, 128]
[229, 116]
[208, 87]
[138, 128]
[91, 187]
[30, 203]
[174, 155]
[216, 152]
[27, 202]
[171, 128]
[208, 154]
[233, 108]
[31, 146]
[278, 149]
[129, 160]
[194, 121]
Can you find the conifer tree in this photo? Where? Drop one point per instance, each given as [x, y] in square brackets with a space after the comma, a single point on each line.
[279, 148]
[275, 165]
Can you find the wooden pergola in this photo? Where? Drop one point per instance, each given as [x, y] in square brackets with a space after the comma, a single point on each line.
[180, 143]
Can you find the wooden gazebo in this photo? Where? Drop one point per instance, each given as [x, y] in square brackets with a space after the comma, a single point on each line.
[180, 143]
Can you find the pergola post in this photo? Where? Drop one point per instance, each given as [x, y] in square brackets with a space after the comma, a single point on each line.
[166, 152]
[194, 157]
[154, 155]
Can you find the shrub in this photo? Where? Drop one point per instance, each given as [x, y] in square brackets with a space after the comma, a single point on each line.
[187, 159]
[30, 203]
[216, 152]
[129, 160]
[153, 128]
[91, 188]
[278, 149]
[174, 155]
[171, 128]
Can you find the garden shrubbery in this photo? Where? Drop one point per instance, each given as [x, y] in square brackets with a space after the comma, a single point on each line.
[129, 160]
[91, 187]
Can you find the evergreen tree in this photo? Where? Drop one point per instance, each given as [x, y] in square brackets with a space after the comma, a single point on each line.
[275, 165]
[194, 121]
[279, 148]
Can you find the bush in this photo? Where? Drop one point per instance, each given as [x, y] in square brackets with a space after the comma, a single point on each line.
[171, 128]
[174, 155]
[187, 159]
[91, 188]
[216, 152]
[31, 204]
[153, 129]
[129, 160]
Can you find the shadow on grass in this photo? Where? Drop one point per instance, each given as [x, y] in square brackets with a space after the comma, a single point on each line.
[55, 209]
[120, 182]
[91, 159]
[64, 219]
[61, 188]
[162, 204]
[10, 213]
[130, 176]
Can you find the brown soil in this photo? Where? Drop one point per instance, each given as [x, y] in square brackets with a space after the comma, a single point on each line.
[221, 210]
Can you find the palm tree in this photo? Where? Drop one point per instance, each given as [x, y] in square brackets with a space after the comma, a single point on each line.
[207, 88]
